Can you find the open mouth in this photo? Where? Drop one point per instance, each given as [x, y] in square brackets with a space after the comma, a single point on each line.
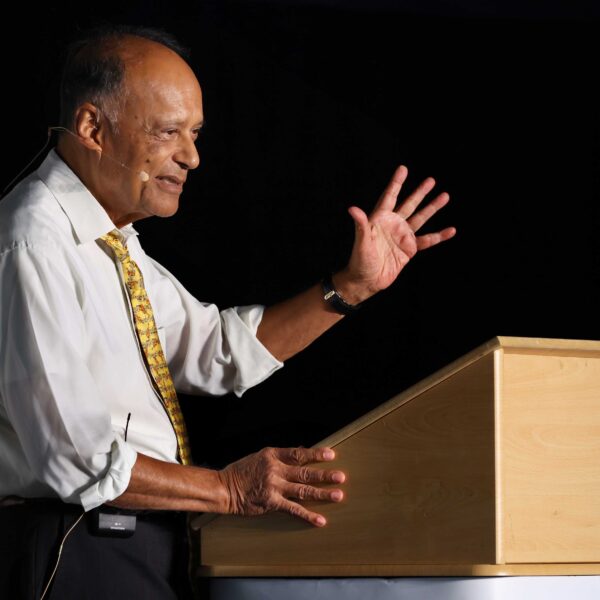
[169, 184]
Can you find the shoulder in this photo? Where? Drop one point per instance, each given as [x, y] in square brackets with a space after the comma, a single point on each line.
[30, 216]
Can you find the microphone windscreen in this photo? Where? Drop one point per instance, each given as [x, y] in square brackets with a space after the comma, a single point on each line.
[144, 176]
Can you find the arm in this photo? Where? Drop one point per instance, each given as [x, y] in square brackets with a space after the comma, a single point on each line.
[384, 243]
[259, 483]
[210, 352]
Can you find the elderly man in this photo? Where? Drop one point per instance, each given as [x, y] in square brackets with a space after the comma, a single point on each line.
[96, 336]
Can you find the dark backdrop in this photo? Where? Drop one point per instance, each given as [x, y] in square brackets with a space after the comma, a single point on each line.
[309, 107]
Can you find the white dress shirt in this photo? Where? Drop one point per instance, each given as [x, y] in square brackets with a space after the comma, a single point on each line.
[70, 365]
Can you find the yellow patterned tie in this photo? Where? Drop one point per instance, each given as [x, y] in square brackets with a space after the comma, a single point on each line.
[150, 342]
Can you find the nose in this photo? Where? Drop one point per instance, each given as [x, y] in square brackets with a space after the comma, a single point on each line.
[186, 154]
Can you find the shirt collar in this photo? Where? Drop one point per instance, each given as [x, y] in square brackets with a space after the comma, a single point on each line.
[88, 219]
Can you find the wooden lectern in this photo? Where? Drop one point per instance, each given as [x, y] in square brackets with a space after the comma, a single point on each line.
[491, 466]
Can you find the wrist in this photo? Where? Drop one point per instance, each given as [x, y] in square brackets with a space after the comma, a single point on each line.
[335, 301]
[352, 292]
[226, 504]
[210, 488]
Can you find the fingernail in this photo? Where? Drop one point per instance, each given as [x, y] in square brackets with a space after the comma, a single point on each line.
[337, 495]
[328, 454]
[321, 521]
[338, 477]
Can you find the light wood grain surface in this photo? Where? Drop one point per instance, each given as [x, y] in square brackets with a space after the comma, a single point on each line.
[420, 488]
[453, 570]
[491, 466]
[551, 458]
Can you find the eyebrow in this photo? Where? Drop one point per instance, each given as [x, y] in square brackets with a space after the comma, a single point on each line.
[162, 122]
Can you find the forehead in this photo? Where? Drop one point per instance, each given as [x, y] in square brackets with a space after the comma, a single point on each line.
[159, 83]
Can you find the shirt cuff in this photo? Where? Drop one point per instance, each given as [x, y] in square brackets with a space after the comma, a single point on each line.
[116, 479]
[254, 363]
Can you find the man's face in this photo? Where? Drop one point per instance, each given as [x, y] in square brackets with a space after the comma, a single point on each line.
[158, 125]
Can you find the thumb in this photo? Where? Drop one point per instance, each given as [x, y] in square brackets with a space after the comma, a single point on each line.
[361, 221]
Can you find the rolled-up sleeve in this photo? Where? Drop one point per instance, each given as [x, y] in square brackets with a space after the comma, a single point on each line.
[115, 480]
[209, 351]
[253, 362]
[48, 393]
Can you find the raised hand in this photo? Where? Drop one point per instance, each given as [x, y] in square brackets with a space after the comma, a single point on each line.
[266, 480]
[387, 239]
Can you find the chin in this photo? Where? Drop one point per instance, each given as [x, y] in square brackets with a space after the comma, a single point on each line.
[166, 209]
[169, 213]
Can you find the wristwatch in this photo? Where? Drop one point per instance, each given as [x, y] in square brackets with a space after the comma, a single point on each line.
[332, 296]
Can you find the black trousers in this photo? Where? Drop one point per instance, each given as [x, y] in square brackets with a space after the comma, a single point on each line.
[151, 564]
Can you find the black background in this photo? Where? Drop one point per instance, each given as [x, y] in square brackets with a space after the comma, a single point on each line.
[309, 107]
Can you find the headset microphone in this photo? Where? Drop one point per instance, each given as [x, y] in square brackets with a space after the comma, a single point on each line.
[141, 174]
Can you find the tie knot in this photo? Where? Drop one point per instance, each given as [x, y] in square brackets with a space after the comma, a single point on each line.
[113, 239]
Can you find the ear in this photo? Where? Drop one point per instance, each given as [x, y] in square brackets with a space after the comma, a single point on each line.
[87, 126]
